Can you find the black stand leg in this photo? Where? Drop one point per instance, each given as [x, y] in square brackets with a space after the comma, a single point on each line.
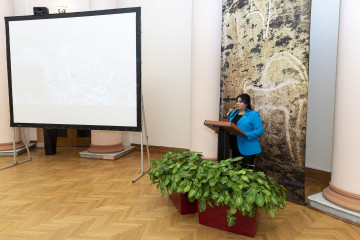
[223, 145]
[50, 137]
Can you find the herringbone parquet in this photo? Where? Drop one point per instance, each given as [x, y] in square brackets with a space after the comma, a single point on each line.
[67, 197]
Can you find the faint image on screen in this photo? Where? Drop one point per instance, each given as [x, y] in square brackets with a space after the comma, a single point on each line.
[76, 70]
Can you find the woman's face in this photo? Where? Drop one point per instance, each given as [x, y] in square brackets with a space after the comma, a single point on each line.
[240, 105]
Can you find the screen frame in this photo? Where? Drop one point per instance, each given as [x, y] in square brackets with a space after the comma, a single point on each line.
[138, 127]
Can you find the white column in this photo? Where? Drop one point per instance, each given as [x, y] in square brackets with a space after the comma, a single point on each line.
[344, 189]
[105, 141]
[205, 74]
[6, 134]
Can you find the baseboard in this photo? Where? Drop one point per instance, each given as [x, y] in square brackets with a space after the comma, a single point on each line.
[318, 175]
[161, 149]
[40, 145]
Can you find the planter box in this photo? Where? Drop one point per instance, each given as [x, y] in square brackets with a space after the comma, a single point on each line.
[216, 217]
[182, 203]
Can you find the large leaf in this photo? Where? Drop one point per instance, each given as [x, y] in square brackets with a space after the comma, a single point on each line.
[232, 211]
[212, 182]
[170, 191]
[259, 200]
[250, 199]
[224, 180]
[252, 213]
[219, 200]
[202, 205]
[238, 201]
[274, 200]
[180, 190]
[211, 174]
[231, 221]
[272, 212]
[245, 178]
[192, 193]
[227, 199]
[187, 187]
[206, 193]
[261, 174]
[248, 207]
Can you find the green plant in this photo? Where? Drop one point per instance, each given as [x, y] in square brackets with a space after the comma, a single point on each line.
[174, 171]
[221, 183]
[240, 189]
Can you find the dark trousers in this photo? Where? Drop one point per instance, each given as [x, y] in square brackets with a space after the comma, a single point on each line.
[250, 159]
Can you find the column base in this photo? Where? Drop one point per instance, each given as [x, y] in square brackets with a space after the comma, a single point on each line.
[107, 156]
[19, 151]
[9, 146]
[342, 198]
[106, 148]
[318, 202]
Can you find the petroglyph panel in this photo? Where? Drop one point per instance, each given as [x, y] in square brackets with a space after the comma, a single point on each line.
[265, 53]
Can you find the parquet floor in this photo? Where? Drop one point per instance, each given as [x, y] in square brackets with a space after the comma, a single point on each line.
[64, 196]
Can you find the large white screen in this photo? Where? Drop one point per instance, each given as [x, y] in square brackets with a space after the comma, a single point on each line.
[75, 70]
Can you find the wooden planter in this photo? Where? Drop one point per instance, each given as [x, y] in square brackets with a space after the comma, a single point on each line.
[216, 217]
[182, 203]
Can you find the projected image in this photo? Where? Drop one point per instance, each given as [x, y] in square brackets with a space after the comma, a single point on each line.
[75, 74]
[77, 70]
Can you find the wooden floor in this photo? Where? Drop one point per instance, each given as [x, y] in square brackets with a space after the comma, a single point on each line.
[64, 196]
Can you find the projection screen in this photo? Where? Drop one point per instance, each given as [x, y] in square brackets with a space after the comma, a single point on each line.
[75, 70]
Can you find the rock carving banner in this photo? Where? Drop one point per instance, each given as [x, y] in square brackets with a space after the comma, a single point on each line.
[265, 53]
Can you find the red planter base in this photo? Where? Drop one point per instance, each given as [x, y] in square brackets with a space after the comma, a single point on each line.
[216, 217]
[182, 203]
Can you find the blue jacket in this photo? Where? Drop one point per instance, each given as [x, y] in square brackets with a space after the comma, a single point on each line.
[251, 125]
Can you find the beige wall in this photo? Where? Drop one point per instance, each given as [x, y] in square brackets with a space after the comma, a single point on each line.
[205, 75]
[166, 69]
[25, 7]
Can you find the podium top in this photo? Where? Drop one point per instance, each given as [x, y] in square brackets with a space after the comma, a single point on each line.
[230, 127]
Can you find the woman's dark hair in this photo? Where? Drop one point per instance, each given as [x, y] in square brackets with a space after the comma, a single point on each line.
[245, 98]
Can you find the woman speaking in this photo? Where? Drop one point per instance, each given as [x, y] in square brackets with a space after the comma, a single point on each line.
[249, 122]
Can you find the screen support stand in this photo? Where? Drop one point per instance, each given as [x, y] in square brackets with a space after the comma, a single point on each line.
[15, 162]
[142, 145]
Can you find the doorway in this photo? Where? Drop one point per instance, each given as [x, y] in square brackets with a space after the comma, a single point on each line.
[73, 138]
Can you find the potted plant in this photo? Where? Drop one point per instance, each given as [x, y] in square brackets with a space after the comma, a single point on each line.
[173, 170]
[239, 191]
[232, 192]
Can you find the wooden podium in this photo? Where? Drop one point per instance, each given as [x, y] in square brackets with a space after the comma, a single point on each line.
[224, 130]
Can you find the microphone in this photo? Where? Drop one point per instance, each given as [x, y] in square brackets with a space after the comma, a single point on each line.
[228, 113]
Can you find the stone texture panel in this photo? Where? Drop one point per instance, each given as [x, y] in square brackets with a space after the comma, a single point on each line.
[265, 53]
